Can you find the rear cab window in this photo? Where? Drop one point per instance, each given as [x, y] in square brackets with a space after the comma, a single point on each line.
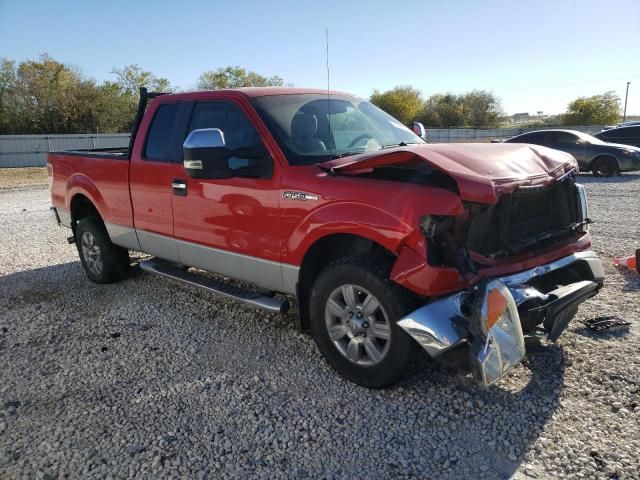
[158, 143]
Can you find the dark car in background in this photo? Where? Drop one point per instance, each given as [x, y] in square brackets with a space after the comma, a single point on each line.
[601, 158]
[626, 135]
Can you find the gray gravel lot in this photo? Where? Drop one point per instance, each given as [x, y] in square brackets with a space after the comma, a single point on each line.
[148, 378]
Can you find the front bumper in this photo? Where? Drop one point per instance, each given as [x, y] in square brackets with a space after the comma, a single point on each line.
[629, 164]
[546, 295]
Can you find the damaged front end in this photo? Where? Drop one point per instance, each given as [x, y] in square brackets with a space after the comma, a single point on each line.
[486, 321]
[522, 211]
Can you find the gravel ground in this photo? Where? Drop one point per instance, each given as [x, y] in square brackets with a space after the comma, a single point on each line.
[152, 379]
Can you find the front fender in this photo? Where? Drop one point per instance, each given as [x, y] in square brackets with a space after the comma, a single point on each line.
[393, 226]
[351, 218]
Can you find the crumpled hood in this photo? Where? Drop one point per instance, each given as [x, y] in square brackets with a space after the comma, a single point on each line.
[482, 170]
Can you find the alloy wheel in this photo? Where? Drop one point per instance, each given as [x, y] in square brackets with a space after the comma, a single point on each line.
[357, 325]
[91, 253]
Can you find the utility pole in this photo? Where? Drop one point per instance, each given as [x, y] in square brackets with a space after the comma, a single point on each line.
[626, 95]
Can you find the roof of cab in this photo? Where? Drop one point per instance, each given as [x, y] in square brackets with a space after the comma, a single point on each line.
[252, 92]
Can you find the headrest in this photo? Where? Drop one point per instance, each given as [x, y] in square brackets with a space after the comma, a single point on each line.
[304, 125]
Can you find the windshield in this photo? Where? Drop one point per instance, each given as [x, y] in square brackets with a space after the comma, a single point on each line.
[314, 128]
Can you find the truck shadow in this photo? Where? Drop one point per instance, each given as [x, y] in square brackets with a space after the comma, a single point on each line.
[497, 426]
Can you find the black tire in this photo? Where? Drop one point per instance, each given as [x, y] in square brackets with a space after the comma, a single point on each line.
[604, 167]
[114, 260]
[372, 274]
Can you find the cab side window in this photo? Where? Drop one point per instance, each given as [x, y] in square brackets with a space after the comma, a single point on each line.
[249, 157]
[158, 144]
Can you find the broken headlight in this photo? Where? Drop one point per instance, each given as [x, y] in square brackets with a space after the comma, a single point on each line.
[498, 343]
[583, 208]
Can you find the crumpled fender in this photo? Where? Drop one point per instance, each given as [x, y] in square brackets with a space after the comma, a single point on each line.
[350, 218]
[391, 227]
[412, 271]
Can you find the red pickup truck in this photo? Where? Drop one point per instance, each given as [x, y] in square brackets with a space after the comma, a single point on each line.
[388, 243]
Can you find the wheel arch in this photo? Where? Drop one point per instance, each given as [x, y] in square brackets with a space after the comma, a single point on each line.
[322, 252]
[81, 206]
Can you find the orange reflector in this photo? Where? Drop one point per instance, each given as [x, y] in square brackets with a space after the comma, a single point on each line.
[496, 305]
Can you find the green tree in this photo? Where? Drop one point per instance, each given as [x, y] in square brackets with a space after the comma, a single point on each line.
[595, 110]
[8, 106]
[402, 102]
[131, 77]
[119, 101]
[444, 111]
[45, 96]
[481, 109]
[235, 77]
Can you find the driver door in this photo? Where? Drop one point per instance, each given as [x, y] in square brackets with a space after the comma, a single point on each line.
[231, 226]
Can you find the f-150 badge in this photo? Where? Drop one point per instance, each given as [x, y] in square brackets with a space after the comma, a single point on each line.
[302, 196]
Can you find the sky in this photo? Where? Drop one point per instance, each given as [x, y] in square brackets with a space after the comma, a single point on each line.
[536, 55]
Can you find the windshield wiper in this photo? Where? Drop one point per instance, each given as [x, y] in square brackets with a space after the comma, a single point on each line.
[401, 144]
[345, 154]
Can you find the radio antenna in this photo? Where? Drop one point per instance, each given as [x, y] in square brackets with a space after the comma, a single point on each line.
[328, 73]
[326, 31]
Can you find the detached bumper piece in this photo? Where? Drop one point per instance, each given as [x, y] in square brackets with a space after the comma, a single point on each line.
[492, 317]
[599, 324]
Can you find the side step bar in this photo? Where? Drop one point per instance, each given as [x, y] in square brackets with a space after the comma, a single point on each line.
[233, 292]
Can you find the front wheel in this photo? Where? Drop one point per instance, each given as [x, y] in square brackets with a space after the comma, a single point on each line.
[354, 310]
[604, 167]
[103, 262]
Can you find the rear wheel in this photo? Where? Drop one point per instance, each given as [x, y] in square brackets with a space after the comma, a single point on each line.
[604, 167]
[354, 309]
[103, 262]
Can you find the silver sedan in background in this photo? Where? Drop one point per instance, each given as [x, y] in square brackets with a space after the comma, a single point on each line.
[601, 158]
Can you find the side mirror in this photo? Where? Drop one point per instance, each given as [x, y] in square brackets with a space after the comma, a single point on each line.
[206, 155]
[419, 130]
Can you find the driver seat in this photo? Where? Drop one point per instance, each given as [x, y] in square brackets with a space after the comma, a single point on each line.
[304, 127]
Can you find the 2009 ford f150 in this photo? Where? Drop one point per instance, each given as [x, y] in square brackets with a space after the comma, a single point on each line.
[387, 242]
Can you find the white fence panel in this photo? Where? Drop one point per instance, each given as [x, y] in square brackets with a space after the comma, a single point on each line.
[31, 150]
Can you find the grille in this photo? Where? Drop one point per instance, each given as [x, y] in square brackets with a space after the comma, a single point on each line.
[525, 219]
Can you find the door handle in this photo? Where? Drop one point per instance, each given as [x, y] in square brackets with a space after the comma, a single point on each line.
[179, 187]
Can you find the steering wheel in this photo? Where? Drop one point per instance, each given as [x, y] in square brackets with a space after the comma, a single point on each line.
[358, 138]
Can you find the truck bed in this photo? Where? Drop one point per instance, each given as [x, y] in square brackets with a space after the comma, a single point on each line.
[101, 175]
